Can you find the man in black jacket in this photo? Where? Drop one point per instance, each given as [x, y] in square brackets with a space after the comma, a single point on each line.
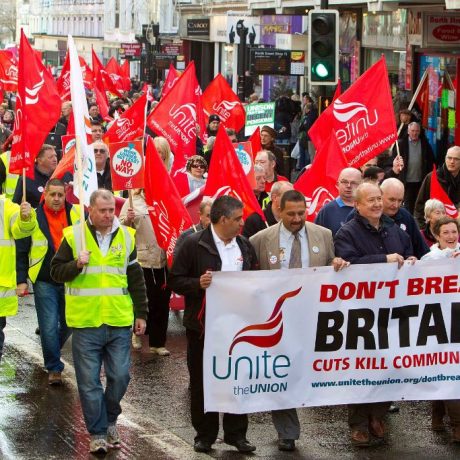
[217, 248]
[448, 177]
[417, 161]
[370, 237]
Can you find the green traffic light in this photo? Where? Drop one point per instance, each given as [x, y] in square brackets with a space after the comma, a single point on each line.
[321, 70]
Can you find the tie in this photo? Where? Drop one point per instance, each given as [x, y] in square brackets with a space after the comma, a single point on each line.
[295, 261]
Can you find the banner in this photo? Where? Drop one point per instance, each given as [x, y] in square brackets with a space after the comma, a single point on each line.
[314, 337]
[258, 115]
[126, 165]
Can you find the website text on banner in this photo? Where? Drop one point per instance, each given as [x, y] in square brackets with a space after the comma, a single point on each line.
[311, 337]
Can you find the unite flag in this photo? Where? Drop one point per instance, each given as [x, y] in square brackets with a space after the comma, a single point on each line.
[361, 119]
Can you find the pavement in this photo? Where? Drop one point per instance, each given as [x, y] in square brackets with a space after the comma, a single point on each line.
[42, 422]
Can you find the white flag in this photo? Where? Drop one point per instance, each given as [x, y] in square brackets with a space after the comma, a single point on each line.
[82, 128]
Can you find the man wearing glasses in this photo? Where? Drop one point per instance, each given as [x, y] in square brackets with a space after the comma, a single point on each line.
[449, 179]
[334, 214]
[101, 154]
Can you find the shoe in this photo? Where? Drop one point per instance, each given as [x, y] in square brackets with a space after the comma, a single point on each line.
[437, 423]
[376, 427]
[456, 433]
[360, 438]
[112, 435]
[393, 409]
[243, 445]
[286, 445]
[161, 351]
[202, 446]
[98, 445]
[54, 378]
[136, 341]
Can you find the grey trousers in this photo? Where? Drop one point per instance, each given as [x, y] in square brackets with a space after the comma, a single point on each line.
[286, 423]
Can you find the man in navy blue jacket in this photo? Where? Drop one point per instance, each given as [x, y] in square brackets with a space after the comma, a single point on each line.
[370, 237]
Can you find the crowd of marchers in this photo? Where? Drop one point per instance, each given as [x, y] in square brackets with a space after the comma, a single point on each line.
[99, 274]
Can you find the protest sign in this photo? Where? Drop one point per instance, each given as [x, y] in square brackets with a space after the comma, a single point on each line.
[311, 337]
[126, 165]
[259, 115]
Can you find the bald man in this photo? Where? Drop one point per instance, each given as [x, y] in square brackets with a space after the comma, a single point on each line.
[334, 214]
[393, 197]
[370, 237]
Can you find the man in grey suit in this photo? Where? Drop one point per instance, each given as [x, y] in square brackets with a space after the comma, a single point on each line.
[293, 243]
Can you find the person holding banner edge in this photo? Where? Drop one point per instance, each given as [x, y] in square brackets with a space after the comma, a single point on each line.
[370, 237]
[217, 248]
[293, 243]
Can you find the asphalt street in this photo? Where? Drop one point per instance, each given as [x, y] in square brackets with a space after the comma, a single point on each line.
[42, 422]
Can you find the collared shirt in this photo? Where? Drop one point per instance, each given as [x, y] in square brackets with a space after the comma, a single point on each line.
[103, 241]
[286, 240]
[230, 254]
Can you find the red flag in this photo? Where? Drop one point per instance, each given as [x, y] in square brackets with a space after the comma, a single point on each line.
[146, 90]
[96, 64]
[65, 165]
[171, 79]
[255, 141]
[71, 125]
[362, 118]
[319, 183]
[125, 73]
[220, 99]
[227, 177]
[338, 90]
[101, 97]
[423, 100]
[38, 108]
[437, 192]
[168, 214]
[176, 116]
[8, 70]
[108, 83]
[113, 70]
[63, 81]
[130, 125]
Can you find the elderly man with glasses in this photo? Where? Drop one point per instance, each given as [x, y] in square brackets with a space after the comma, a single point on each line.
[101, 154]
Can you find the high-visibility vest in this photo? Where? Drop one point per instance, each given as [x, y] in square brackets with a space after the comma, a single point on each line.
[99, 294]
[39, 246]
[9, 186]
[265, 202]
[10, 228]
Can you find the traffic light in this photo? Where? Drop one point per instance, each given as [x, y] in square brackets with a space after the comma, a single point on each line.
[323, 103]
[323, 47]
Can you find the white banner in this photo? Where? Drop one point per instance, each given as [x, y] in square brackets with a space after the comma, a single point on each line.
[309, 337]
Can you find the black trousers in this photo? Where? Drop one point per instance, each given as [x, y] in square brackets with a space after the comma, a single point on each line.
[410, 195]
[207, 425]
[158, 298]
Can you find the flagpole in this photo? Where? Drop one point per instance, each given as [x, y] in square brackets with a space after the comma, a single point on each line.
[23, 184]
[81, 192]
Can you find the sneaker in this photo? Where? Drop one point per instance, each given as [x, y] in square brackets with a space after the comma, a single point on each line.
[161, 351]
[54, 378]
[98, 445]
[137, 342]
[112, 435]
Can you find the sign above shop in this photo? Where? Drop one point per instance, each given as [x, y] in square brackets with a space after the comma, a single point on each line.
[269, 61]
[441, 29]
[198, 27]
[130, 49]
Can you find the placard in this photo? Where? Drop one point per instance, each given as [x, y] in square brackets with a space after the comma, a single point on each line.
[126, 165]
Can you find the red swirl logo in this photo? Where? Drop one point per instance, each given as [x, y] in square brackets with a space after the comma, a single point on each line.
[267, 334]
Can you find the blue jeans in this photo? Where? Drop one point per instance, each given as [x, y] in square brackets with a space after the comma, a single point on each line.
[91, 347]
[2, 334]
[50, 306]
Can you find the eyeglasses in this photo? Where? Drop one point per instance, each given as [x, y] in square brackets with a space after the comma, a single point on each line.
[349, 183]
[198, 165]
[100, 151]
[449, 158]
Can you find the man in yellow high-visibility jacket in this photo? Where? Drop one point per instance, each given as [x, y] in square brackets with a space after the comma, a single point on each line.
[16, 221]
[33, 260]
[102, 285]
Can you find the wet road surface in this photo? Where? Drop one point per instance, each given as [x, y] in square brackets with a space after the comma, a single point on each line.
[42, 422]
